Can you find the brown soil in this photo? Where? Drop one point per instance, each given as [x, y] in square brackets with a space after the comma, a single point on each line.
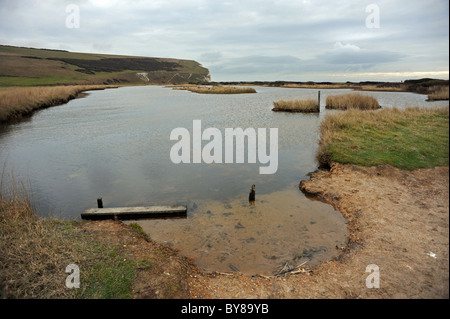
[396, 219]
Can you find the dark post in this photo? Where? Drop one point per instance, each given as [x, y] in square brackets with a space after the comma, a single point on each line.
[99, 202]
[251, 196]
[318, 99]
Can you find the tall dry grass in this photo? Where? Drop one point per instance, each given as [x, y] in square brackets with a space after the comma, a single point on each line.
[305, 106]
[35, 251]
[438, 93]
[180, 86]
[16, 102]
[352, 101]
[32, 259]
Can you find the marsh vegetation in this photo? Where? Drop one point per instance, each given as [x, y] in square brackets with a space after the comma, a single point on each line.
[215, 89]
[438, 93]
[302, 106]
[35, 252]
[408, 139]
[351, 101]
[16, 102]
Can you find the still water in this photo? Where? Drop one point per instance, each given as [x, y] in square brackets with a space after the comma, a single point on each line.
[115, 144]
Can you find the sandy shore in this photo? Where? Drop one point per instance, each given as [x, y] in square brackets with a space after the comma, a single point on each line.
[397, 219]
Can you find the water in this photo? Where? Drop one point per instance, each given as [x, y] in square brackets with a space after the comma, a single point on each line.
[115, 144]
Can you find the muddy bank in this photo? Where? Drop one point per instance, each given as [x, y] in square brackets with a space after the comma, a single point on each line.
[283, 228]
[397, 220]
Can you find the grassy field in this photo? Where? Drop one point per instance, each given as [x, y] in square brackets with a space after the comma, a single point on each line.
[303, 106]
[33, 67]
[16, 102]
[351, 101]
[407, 139]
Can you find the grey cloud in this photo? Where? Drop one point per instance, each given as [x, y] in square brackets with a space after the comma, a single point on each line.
[244, 38]
[210, 56]
[351, 54]
[255, 64]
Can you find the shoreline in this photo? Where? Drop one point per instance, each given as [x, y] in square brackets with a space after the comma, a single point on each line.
[397, 219]
[16, 113]
[12, 112]
[388, 226]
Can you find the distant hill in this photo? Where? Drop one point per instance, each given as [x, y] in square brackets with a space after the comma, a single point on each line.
[29, 66]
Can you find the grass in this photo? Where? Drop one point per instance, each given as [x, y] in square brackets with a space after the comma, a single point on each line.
[111, 278]
[351, 101]
[118, 262]
[30, 67]
[135, 227]
[408, 139]
[304, 106]
[17, 102]
[217, 89]
[36, 251]
[438, 93]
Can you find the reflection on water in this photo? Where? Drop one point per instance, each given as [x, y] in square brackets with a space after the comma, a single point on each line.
[115, 144]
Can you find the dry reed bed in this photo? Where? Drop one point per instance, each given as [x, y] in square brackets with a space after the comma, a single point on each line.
[32, 259]
[352, 101]
[216, 89]
[296, 106]
[35, 252]
[438, 93]
[16, 102]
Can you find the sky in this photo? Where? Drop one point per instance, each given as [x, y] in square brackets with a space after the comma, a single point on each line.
[248, 40]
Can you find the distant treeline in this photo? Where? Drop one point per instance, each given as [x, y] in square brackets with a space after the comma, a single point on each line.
[424, 85]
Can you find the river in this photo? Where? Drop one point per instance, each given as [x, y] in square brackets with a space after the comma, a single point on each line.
[115, 144]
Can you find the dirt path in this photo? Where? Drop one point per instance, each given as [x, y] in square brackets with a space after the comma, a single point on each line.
[396, 218]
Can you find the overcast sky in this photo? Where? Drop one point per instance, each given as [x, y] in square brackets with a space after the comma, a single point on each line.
[295, 40]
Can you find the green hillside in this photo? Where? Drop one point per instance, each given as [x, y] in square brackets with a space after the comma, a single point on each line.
[30, 67]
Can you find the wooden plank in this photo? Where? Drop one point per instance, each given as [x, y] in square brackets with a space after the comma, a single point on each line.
[135, 212]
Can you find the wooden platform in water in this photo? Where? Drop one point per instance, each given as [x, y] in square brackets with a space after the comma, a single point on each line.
[135, 212]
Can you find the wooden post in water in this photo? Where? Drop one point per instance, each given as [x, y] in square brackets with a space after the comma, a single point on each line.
[318, 99]
[99, 202]
[251, 196]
